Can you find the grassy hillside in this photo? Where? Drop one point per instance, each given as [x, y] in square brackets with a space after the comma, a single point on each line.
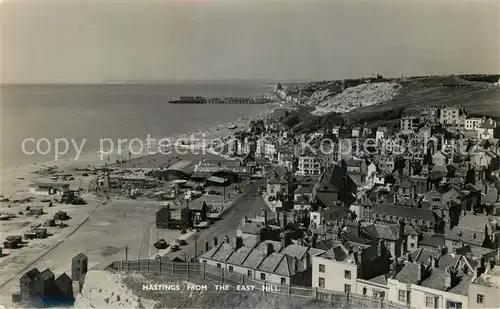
[478, 97]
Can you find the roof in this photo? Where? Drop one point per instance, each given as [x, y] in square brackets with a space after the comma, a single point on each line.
[252, 228]
[382, 231]
[295, 250]
[423, 255]
[216, 179]
[254, 259]
[48, 185]
[303, 190]
[219, 253]
[432, 240]
[239, 256]
[46, 274]
[64, 277]
[32, 274]
[382, 279]
[336, 253]
[410, 273]
[184, 166]
[405, 212]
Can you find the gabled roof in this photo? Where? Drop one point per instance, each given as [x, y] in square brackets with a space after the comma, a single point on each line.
[32, 274]
[239, 256]
[405, 212]
[295, 250]
[46, 274]
[382, 231]
[220, 253]
[337, 253]
[410, 273]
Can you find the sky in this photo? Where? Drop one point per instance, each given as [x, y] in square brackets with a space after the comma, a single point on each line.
[109, 41]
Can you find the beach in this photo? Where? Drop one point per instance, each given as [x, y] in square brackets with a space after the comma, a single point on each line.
[89, 221]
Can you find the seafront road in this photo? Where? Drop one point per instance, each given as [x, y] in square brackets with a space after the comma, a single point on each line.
[249, 204]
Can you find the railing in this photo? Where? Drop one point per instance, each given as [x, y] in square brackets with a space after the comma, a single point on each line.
[221, 276]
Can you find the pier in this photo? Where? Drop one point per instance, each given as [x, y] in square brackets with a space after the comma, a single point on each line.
[237, 100]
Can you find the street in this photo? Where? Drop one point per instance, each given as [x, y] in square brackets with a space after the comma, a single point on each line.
[249, 204]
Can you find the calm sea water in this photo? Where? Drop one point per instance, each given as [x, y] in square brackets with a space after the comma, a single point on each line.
[110, 111]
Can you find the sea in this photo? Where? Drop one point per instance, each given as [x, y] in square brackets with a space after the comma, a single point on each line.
[110, 111]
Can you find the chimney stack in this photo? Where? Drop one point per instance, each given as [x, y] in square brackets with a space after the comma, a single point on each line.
[283, 222]
[432, 262]
[270, 249]
[401, 229]
[215, 241]
[408, 257]
[380, 245]
[265, 218]
[359, 229]
[226, 239]
[207, 247]
[421, 273]
[238, 243]
[314, 240]
[447, 278]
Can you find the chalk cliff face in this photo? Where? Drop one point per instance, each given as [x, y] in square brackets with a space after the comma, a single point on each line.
[362, 95]
[103, 289]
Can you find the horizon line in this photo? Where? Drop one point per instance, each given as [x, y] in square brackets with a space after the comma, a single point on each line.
[265, 80]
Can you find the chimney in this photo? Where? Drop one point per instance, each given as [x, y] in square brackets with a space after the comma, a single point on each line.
[314, 240]
[408, 257]
[421, 273]
[432, 262]
[491, 263]
[207, 246]
[238, 243]
[270, 249]
[283, 222]
[447, 278]
[358, 230]
[215, 241]
[401, 229]
[265, 218]
[380, 245]
[226, 239]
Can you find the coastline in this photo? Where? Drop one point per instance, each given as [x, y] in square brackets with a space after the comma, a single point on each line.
[84, 224]
[14, 181]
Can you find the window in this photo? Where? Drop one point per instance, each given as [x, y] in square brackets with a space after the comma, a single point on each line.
[204, 261]
[262, 276]
[402, 295]
[321, 282]
[347, 288]
[249, 273]
[230, 269]
[430, 301]
[379, 294]
[218, 265]
[480, 298]
[347, 274]
[283, 280]
[453, 304]
[321, 268]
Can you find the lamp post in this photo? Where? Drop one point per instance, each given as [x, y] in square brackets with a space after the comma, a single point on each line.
[196, 246]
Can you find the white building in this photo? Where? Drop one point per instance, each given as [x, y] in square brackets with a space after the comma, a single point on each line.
[472, 123]
[309, 165]
[408, 124]
[449, 115]
[336, 130]
[486, 129]
[381, 134]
